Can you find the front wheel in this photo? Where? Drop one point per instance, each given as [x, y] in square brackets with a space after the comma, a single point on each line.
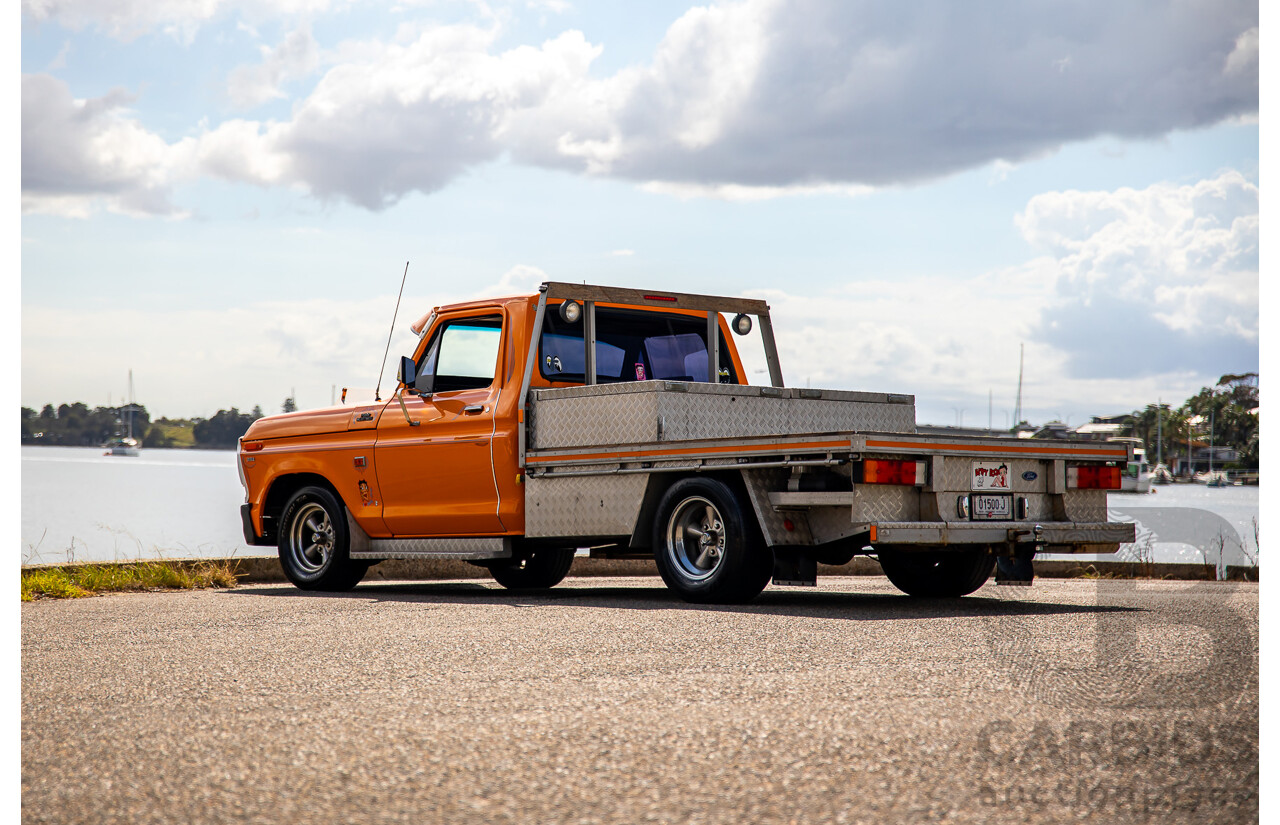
[938, 573]
[314, 543]
[707, 546]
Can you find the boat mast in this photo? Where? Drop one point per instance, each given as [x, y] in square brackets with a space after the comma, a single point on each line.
[1159, 433]
[130, 403]
[1017, 410]
[1211, 444]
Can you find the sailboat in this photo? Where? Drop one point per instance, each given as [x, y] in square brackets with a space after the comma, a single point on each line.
[125, 444]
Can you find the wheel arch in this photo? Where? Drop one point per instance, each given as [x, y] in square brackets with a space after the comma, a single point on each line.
[659, 483]
[281, 490]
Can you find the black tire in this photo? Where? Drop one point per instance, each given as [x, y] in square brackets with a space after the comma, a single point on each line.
[938, 574]
[538, 569]
[314, 543]
[707, 545]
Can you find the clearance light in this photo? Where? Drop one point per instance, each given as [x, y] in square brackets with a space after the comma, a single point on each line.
[668, 298]
[1093, 477]
[881, 471]
[251, 446]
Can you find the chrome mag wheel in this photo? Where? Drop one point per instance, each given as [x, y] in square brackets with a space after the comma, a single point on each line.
[695, 538]
[311, 539]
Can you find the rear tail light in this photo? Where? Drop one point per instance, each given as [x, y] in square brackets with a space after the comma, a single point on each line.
[1093, 477]
[882, 471]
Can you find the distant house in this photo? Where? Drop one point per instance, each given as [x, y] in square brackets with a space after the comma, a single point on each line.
[1099, 430]
[1201, 453]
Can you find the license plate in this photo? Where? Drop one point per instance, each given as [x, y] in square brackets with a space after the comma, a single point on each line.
[988, 507]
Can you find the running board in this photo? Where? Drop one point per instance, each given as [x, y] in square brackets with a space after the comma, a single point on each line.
[364, 547]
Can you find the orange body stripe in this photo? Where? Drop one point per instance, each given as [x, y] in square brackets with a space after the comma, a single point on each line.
[771, 448]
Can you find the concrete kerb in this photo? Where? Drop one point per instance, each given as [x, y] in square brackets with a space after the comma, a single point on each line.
[266, 569]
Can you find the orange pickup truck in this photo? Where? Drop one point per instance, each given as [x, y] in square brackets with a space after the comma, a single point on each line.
[621, 420]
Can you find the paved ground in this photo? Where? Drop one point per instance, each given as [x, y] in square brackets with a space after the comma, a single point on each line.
[608, 701]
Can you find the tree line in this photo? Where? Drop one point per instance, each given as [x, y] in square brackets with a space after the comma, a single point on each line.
[1224, 415]
[76, 425]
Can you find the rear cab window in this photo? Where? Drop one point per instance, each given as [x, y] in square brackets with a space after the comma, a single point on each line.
[631, 345]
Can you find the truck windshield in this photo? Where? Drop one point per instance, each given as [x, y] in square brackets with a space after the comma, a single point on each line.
[631, 345]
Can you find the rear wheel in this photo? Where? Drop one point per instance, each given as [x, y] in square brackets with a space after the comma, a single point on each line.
[707, 546]
[314, 543]
[534, 569]
[938, 573]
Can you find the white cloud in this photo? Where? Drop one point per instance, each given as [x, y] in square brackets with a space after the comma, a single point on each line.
[1169, 271]
[1243, 59]
[521, 279]
[262, 350]
[880, 93]
[395, 118]
[1141, 293]
[742, 194]
[296, 57]
[78, 153]
[180, 19]
[59, 60]
[741, 100]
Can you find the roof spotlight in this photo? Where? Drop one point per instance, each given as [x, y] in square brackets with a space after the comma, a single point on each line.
[742, 324]
[570, 312]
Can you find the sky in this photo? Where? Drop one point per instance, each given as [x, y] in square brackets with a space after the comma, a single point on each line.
[221, 196]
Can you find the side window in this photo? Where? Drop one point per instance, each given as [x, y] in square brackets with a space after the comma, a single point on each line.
[464, 354]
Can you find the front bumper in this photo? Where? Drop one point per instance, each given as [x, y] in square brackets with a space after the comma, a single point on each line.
[246, 523]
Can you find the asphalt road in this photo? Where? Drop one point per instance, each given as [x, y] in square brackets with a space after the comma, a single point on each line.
[610, 701]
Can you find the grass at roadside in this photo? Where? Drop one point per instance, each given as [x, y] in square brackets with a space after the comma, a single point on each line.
[75, 581]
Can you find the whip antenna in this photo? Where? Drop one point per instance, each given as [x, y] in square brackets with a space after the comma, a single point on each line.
[377, 392]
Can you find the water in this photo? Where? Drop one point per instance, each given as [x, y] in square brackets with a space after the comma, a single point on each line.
[79, 505]
[1190, 523]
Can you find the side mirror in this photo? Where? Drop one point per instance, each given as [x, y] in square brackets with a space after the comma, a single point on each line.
[407, 374]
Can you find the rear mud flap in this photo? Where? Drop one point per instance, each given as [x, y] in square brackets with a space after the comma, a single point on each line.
[794, 569]
[1018, 570]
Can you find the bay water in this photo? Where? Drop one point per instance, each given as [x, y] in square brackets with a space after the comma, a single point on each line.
[81, 505]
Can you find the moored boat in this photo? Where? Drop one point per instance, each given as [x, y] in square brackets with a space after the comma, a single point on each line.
[1136, 477]
[124, 443]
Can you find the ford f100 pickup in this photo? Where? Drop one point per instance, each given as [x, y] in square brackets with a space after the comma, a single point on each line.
[621, 420]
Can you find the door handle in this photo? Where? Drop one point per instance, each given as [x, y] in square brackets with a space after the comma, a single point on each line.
[473, 409]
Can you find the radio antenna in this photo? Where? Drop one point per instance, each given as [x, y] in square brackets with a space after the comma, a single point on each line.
[377, 392]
